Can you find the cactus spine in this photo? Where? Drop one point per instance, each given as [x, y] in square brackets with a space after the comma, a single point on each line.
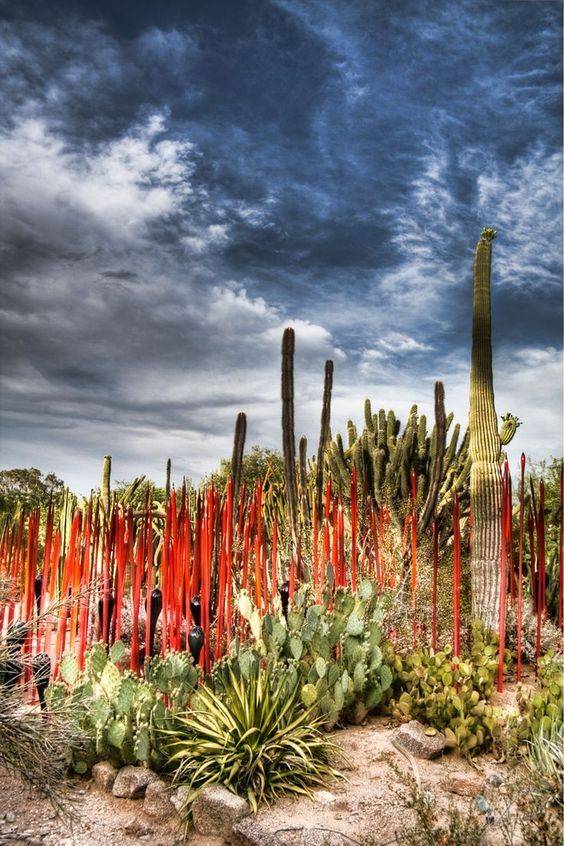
[324, 436]
[288, 437]
[485, 447]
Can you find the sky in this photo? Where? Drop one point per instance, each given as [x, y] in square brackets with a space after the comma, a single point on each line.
[181, 180]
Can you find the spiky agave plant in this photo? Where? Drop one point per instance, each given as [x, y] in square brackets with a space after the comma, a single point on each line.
[255, 738]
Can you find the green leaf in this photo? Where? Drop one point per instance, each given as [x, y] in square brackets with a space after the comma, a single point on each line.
[355, 626]
[110, 681]
[366, 589]
[296, 646]
[117, 652]
[321, 667]
[69, 669]
[386, 677]
[309, 694]
[115, 733]
[141, 745]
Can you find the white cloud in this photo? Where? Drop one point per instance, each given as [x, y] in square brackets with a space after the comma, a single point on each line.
[524, 200]
[110, 194]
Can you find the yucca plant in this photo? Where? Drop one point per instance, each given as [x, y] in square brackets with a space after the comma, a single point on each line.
[545, 760]
[254, 738]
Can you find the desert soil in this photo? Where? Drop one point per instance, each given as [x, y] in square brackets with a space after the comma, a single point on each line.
[364, 805]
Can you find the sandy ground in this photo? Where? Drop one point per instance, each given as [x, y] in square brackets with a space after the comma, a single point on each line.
[363, 805]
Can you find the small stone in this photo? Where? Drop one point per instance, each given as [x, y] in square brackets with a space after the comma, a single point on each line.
[249, 832]
[179, 797]
[216, 810]
[157, 802]
[10, 817]
[138, 828]
[104, 775]
[131, 782]
[413, 738]
[323, 797]
[461, 786]
[322, 837]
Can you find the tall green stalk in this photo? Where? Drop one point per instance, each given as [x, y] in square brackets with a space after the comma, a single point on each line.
[485, 448]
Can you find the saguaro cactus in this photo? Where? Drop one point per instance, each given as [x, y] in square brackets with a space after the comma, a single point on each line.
[485, 447]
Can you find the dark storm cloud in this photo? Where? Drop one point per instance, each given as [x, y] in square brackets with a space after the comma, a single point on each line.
[181, 181]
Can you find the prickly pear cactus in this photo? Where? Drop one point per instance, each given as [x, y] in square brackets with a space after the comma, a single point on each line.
[120, 714]
[332, 649]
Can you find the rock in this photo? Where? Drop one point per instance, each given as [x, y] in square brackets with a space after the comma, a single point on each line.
[216, 810]
[413, 738]
[323, 837]
[104, 775]
[131, 782]
[157, 802]
[10, 817]
[323, 797]
[179, 797]
[461, 786]
[249, 832]
[137, 827]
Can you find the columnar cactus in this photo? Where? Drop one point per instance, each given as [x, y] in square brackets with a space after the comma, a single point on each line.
[106, 474]
[167, 483]
[485, 447]
[238, 450]
[324, 436]
[288, 438]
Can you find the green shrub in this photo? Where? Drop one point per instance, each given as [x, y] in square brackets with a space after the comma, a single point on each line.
[119, 712]
[255, 737]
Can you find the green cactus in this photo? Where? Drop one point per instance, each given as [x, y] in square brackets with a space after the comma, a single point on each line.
[451, 694]
[386, 458]
[333, 652]
[288, 437]
[105, 490]
[237, 455]
[485, 446]
[120, 712]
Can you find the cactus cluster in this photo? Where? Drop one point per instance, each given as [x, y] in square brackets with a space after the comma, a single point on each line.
[331, 649]
[451, 694]
[121, 713]
[386, 458]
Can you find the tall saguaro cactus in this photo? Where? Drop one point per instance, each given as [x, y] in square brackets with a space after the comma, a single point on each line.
[288, 437]
[485, 447]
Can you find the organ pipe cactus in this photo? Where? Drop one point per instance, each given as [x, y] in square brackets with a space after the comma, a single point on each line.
[437, 448]
[288, 437]
[485, 446]
[324, 436]
[238, 450]
[106, 475]
[386, 459]
[167, 483]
